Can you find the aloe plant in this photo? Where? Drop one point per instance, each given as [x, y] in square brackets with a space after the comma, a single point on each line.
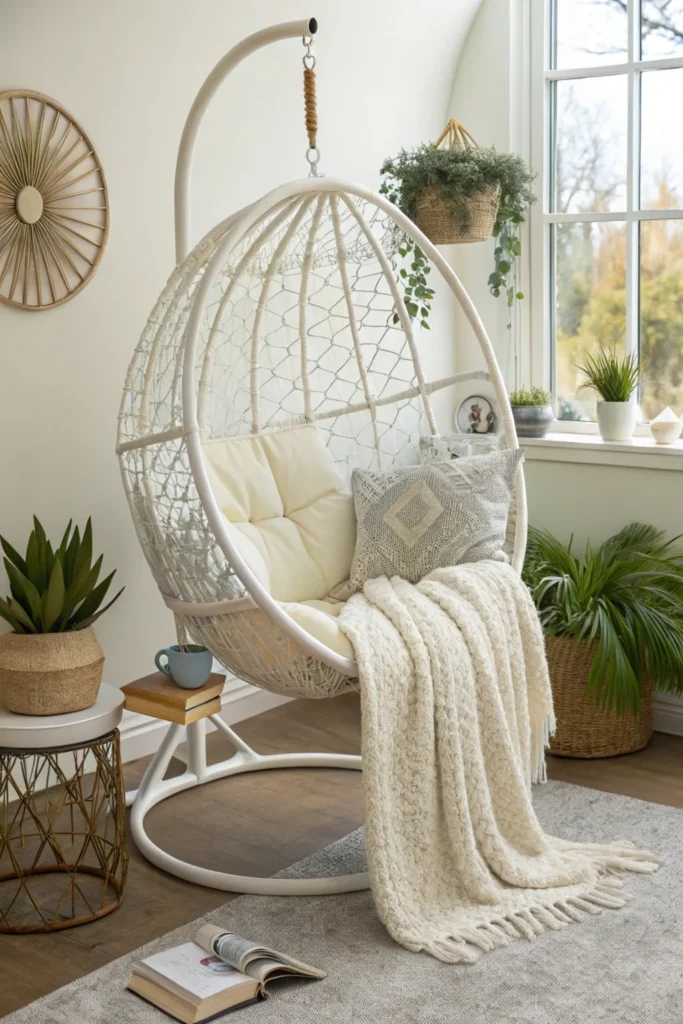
[54, 590]
[628, 595]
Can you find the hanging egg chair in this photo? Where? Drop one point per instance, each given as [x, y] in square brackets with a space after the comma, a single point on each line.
[279, 356]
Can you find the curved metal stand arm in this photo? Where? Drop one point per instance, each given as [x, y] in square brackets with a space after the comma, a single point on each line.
[285, 30]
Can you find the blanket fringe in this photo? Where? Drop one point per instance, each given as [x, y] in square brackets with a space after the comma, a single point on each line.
[540, 741]
[466, 946]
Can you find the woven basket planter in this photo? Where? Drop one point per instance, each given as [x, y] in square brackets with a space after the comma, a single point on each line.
[50, 673]
[584, 729]
[434, 215]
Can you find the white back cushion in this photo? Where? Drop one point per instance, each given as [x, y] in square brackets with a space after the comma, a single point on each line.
[293, 518]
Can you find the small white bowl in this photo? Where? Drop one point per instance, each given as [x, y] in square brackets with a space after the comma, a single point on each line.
[666, 431]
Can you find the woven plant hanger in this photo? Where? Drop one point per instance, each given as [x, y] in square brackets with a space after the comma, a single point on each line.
[434, 211]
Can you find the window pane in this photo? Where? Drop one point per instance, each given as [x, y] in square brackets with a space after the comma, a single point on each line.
[590, 32]
[590, 146]
[661, 28]
[590, 305]
[661, 140]
[661, 314]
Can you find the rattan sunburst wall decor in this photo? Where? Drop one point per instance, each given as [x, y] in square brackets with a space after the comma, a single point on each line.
[54, 213]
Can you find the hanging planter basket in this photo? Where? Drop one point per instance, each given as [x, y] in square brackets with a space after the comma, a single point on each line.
[584, 729]
[434, 213]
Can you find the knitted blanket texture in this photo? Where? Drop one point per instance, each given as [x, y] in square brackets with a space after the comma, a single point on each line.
[456, 714]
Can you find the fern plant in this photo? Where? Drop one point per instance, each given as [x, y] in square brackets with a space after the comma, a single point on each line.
[54, 590]
[628, 595]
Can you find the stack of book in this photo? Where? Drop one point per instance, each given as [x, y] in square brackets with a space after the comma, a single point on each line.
[158, 696]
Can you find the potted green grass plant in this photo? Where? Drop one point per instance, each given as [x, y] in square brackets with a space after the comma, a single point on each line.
[616, 378]
[51, 662]
[532, 411]
[613, 618]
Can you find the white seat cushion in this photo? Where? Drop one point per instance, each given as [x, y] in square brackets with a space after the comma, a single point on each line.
[319, 618]
[293, 517]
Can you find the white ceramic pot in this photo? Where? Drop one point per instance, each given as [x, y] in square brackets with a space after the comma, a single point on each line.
[617, 420]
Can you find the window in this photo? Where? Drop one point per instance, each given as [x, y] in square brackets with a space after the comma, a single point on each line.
[609, 230]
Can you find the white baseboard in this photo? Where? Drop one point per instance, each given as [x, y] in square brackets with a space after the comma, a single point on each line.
[141, 735]
[667, 715]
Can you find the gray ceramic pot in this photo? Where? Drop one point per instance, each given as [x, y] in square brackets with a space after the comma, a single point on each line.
[532, 420]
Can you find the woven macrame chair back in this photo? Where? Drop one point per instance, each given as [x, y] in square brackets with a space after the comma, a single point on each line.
[290, 311]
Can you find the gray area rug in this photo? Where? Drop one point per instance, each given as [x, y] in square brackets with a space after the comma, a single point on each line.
[623, 966]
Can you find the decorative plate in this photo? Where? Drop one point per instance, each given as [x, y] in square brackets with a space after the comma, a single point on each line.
[476, 415]
[54, 213]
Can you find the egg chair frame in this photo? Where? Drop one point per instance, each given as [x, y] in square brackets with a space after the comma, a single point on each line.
[313, 669]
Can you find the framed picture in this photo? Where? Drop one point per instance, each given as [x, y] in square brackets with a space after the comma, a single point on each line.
[476, 415]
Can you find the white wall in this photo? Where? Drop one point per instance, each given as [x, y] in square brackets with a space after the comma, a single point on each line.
[128, 71]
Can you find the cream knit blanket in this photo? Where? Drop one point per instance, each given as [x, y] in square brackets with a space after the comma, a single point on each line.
[456, 711]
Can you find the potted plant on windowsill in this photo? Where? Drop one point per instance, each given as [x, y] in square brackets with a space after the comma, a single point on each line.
[613, 619]
[52, 661]
[532, 411]
[616, 379]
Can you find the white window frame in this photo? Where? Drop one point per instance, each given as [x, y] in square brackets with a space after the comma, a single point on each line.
[542, 79]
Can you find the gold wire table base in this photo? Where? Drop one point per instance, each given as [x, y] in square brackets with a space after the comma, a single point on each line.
[63, 859]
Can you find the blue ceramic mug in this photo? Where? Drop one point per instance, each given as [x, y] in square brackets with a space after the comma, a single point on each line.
[189, 667]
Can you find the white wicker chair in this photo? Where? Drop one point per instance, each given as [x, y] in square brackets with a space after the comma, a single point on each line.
[281, 316]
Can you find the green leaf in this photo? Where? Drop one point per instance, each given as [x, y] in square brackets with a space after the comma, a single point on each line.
[70, 557]
[24, 592]
[83, 585]
[53, 599]
[61, 550]
[6, 614]
[425, 325]
[412, 308]
[95, 617]
[14, 556]
[519, 295]
[92, 601]
[41, 544]
[84, 553]
[395, 318]
[33, 569]
[18, 613]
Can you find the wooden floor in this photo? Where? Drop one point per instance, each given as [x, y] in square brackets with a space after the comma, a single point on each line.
[257, 824]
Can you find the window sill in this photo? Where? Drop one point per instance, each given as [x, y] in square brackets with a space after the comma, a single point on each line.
[638, 453]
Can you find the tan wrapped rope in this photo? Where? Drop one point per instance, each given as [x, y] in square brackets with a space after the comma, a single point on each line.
[310, 107]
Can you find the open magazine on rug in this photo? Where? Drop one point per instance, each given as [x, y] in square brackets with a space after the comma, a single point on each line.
[216, 973]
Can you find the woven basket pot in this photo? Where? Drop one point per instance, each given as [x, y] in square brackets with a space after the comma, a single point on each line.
[435, 217]
[584, 729]
[50, 673]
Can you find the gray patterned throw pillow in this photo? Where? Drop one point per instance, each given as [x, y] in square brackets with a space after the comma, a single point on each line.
[417, 518]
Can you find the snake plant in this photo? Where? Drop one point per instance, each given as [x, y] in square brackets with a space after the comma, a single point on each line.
[54, 590]
[628, 595]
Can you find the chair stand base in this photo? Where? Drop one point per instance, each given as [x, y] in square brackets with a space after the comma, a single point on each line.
[154, 788]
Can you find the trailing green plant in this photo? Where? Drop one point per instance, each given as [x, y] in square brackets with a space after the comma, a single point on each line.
[628, 595]
[54, 590]
[530, 396]
[416, 290]
[613, 376]
[461, 174]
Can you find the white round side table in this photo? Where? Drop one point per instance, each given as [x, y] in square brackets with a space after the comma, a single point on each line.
[63, 859]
